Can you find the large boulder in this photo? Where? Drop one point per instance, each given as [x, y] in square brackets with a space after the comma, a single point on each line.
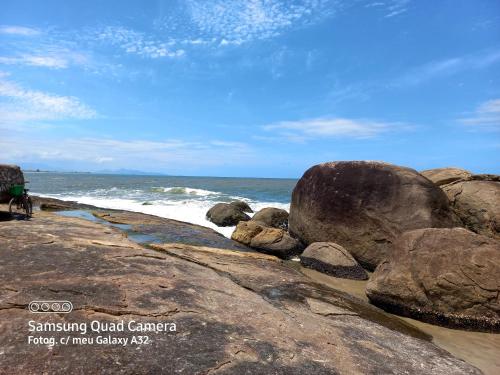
[226, 215]
[333, 259]
[242, 206]
[272, 217]
[442, 176]
[274, 241]
[364, 206]
[477, 203]
[444, 276]
[9, 175]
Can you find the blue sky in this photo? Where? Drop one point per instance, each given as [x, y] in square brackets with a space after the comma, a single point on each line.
[260, 88]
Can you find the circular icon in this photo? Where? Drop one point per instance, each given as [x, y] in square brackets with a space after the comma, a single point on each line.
[66, 307]
[55, 307]
[34, 306]
[45, 306]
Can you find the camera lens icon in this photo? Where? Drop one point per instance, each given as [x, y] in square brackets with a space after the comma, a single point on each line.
[48, 307]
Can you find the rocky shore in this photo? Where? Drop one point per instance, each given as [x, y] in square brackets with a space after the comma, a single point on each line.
[237, 304]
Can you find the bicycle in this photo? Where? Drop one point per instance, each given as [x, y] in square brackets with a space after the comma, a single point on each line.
[21, 202]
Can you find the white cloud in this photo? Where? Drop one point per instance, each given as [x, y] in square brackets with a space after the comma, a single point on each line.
[303, 130]
[134, 42]
[447, 67]
[19, 104]
[396, 7]
[486, 116]
[19, 30]
[45, 61]
[170, 154]
[236, 22]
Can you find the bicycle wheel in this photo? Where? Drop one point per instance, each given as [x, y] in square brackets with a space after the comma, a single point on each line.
[28, 206]
[16, 206]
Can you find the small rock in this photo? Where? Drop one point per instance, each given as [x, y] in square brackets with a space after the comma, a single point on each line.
[226, 215]
[333, 259]
[245, 231]
[277, 242]
[272, 217]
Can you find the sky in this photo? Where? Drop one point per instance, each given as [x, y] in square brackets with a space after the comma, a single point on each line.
[256, 88]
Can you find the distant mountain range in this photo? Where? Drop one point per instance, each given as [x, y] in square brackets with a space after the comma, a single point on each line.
[36, 167]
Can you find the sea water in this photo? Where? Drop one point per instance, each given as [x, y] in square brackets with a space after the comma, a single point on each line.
[181, 198]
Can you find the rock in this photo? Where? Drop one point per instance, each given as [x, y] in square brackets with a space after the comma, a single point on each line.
[226, 215]
[154, 229]
[242, 206]
[245, 231]
[442, 176]
[235, 312]
[277, 242]
[272, 217]
[146, 228]
[272, 241]
[364, 206]
[477, 203]
[333, 259]
[449, 277]
[9, 175]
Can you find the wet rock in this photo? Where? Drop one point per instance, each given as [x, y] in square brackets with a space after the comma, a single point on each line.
[272, 217]
[477, 203]
[364, 206]
[332, 259]
[169, 230]
[277, 242]
[449, 277]
[9, 175]
[235, 312]
[226, 215]
[443, 176]
[242, 206]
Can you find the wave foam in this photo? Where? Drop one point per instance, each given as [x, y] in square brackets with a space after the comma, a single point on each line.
[182, 190]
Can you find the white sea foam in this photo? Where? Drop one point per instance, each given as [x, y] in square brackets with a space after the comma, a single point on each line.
[182, 190]
[188, 210]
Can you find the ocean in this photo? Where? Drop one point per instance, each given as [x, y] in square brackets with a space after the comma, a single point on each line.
[180, 198]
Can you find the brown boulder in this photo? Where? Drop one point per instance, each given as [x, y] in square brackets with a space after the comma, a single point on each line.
[9, 175]
[242, 206]
[449, 277]
[442, 176]
[364, 206]
[245, 231]
[477, 203]
[272, 217]
[277, 242]
[333, 259]
[267, 240]
[226, 215]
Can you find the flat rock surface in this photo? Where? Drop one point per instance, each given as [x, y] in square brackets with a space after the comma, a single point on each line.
[449, 277]
[235, 312]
